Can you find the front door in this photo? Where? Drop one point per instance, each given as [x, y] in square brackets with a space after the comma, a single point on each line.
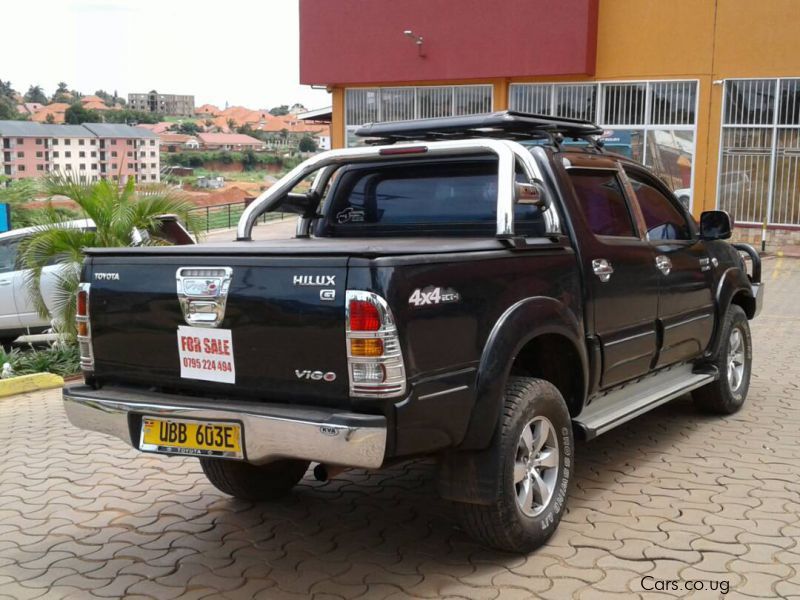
[622, 279]
[686, 304]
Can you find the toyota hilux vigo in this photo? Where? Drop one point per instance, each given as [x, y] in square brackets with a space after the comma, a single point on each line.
[482, 289]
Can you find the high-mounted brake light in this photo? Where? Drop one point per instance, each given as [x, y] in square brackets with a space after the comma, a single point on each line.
[374, 358]
[403, 150]
[84, 328]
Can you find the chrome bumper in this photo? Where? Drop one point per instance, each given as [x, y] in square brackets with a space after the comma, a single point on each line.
[271, 431]
[758, 296]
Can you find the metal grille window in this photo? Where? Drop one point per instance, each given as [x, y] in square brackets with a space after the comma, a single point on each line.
[759, 169]
[650, 121]
[374, 105]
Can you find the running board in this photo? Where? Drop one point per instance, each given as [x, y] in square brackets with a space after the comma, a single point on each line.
[622, 405]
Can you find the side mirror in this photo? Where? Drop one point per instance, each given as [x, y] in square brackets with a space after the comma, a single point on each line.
[715, 225]
[529, 193]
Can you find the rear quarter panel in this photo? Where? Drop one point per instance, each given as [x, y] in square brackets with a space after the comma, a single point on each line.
[443, 342]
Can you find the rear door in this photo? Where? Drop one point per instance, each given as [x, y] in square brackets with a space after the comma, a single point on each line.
[686, 302]
[622, 280]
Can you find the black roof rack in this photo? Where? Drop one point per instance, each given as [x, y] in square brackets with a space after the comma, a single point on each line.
[507, 125]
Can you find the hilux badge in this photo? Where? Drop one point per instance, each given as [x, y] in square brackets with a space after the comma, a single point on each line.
[314, 280]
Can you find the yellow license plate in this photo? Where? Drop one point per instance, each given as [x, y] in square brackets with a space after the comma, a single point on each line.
[190, 437]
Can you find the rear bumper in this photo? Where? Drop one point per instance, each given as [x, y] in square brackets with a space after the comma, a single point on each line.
[271, 431]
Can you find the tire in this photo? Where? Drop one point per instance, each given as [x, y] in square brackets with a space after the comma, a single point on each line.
[254, 482]
[536, 407]
[733, 360]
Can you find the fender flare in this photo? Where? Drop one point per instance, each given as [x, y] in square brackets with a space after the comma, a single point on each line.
[732, 282]
[519, 324]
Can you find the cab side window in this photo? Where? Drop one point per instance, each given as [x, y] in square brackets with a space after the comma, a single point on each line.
[663, 219]
[602, 201]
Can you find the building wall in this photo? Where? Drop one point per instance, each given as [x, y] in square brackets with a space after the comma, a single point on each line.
[703, 40]
[167, 104]
[67, 159]
[24, 156]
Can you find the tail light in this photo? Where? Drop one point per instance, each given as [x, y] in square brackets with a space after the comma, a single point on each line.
[374, 359]
[84, 328]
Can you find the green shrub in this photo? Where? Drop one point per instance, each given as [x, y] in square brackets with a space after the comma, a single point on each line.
[61, 359]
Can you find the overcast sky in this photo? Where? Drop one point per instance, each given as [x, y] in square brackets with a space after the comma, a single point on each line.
[235, 51]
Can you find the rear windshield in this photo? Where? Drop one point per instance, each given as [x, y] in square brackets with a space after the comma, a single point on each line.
[441, 198]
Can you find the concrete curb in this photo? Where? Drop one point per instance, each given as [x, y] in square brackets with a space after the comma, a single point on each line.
[29, 383]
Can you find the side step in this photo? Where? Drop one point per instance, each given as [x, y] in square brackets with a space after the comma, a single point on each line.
[626, 403]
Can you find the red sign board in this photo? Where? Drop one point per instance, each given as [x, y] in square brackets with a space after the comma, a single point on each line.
[363, 41]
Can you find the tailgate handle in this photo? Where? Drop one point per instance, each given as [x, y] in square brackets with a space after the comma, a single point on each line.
[203, 294]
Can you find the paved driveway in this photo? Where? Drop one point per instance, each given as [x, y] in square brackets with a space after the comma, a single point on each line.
[672, 496]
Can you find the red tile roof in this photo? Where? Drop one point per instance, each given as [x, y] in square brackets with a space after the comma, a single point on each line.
[228, 139]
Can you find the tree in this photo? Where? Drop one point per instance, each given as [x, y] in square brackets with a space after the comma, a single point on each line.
[126, 115]
[8, 109]
[76, 114]
[35, 94]
[246, 129]
[249, 159]
[307, 144]
[116, 211]
[49, 119]
[279, 111]
[231, 124]
[188, 128]
[6, 91]
[297, 107]
[61, 94]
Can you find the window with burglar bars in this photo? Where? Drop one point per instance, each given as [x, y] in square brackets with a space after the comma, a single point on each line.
[759, 170]
[653, 122]
[375, 105]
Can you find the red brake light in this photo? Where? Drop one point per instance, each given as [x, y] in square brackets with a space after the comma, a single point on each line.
[364, 316]
[83, 304]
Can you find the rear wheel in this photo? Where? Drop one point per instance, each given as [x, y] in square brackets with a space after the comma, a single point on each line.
[533, 445]
[254, 482]
[733, 360]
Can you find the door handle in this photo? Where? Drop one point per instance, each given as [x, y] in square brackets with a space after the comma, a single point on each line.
[5, 282]
[602, 268]
[664, 264]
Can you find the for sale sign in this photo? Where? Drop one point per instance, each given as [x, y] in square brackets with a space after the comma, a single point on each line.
[206, 354]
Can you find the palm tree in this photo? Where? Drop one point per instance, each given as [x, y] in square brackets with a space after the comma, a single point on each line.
[115, 210]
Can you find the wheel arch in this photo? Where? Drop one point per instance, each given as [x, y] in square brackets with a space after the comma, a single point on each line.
[733, 289]
[517, 345]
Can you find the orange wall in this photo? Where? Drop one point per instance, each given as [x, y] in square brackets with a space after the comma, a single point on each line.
[706, 40]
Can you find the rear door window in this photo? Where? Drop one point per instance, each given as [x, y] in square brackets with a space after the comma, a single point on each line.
[603, 202]
[422, 198]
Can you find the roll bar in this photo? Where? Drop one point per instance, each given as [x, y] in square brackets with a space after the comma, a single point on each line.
[509, 154]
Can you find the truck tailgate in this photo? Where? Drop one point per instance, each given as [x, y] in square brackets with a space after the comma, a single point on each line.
[282, 331]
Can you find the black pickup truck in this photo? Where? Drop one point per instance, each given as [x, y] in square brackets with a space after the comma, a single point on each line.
[482, 289]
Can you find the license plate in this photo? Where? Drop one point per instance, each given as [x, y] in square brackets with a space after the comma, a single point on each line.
[192, 438]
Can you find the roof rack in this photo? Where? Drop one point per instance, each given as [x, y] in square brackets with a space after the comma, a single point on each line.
[507, 125]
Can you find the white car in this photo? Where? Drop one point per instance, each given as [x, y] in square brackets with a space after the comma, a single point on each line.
[18, 315]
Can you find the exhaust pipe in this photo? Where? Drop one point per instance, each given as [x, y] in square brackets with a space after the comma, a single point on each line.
[326, 472]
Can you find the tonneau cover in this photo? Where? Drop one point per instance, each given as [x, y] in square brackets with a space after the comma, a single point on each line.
[314, 246]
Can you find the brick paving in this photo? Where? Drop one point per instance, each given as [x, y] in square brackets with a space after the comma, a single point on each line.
[670, 496]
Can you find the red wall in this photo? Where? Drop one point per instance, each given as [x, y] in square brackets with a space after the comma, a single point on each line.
[362, 41]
